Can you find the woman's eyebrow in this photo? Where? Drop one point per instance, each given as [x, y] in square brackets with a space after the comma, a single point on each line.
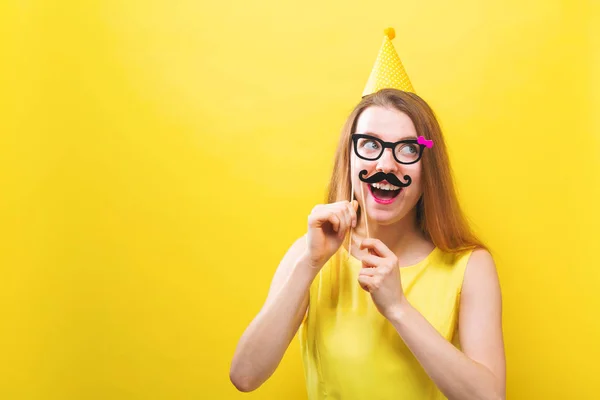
[409, 137]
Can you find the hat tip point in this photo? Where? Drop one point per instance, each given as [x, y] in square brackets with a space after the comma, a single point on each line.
[390, 33]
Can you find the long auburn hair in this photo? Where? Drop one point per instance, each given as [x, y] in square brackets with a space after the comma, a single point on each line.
[439, 215]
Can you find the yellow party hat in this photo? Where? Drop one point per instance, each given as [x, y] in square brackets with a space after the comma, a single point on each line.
[388, 71]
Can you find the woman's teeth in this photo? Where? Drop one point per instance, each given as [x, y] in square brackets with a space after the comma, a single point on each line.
[384, 193]
[385, 186]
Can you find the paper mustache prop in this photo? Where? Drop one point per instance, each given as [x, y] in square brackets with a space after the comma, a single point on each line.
[381, 176]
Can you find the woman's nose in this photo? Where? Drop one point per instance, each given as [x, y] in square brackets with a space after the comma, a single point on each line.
[386, 162]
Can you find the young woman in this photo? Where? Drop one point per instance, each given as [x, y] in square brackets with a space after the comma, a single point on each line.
[392, 295]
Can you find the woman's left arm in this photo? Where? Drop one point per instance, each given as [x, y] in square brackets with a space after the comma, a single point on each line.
[476, 372]
[479, 371]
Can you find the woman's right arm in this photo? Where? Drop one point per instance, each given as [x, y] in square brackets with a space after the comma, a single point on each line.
[266, 339]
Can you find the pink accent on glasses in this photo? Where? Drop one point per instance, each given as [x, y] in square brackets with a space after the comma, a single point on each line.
[427, 143]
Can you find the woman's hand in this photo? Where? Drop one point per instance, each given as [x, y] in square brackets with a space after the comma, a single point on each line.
[380, 276]
[327, 228]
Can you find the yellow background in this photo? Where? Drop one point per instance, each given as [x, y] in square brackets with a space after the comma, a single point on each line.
[157, 158]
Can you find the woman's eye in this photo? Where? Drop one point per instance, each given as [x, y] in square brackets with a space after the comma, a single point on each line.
[371, 145]
[409, 149]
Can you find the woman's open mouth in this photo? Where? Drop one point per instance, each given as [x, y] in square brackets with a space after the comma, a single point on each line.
[384, 193]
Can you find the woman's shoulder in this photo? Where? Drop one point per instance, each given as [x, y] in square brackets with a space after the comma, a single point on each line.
[468, 256]
[480, 255]
[480, 271]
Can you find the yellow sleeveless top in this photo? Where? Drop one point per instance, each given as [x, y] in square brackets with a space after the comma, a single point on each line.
[350, 351]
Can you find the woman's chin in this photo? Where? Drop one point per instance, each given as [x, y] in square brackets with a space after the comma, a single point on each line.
[387, 214]
[383, 217]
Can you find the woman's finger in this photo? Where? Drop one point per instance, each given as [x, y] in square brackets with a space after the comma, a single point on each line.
[335, 221]
[371, 260]
[377, 246]
[352, 215]
[344, 212]
[343, 223]
[366, 282]
[366, 271]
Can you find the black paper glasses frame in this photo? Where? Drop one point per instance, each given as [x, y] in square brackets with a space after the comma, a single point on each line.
[386, 145]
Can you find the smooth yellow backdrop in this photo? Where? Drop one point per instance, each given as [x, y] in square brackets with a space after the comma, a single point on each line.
[157, 158]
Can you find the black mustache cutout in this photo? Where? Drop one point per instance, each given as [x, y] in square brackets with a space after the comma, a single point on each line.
[381, 176]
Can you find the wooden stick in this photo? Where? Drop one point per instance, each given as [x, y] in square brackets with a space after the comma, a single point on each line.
[362, 189]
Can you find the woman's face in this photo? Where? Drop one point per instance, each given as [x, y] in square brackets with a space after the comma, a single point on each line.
[383, 206]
